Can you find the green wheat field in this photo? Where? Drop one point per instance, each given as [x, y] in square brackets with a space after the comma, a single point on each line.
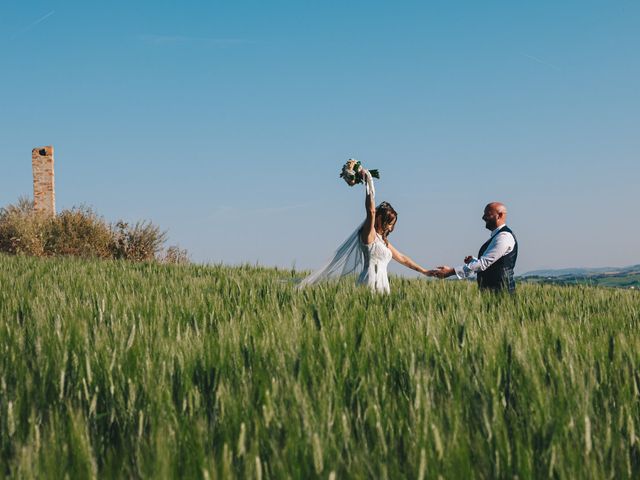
[112, 369]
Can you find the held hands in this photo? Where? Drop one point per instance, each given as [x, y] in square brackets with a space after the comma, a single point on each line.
[443, 271]
[427, 273]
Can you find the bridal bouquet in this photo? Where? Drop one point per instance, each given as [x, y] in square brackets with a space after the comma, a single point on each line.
[351, 172]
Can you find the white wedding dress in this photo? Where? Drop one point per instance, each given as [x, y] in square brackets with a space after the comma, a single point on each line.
[369, 262]
[376, 259]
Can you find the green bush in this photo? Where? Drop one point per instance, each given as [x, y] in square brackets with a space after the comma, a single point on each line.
[80, 232]
[22, 229]
[139, 243]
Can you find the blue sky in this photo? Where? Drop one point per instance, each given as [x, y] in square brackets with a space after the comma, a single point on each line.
[227, 122]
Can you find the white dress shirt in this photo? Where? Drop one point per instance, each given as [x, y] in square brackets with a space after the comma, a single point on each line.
[501, 244]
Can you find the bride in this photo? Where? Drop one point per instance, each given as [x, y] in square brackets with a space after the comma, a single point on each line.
[367, 251]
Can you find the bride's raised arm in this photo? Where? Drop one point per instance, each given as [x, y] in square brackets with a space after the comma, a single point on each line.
[368, 232]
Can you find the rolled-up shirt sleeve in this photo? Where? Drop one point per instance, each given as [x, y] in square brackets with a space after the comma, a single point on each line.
[502, 244]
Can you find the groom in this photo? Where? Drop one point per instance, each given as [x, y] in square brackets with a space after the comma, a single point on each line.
[497, 258]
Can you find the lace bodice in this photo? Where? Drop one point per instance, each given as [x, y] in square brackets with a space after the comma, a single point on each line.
[376, 259]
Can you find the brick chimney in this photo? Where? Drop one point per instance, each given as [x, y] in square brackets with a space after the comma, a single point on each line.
[44, 196]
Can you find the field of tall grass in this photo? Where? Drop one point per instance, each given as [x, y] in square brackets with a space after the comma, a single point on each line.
[114, 369]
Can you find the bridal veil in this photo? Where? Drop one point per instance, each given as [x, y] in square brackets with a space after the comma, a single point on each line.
[348, 258]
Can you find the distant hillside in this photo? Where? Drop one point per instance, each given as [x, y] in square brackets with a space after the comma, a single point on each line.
[619, 277]
[581, 271]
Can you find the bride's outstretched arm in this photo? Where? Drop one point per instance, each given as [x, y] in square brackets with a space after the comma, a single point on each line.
[406, 261]
[368, 233]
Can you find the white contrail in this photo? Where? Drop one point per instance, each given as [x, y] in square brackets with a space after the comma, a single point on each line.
[33, 24]
[536, 59]
[40, 20]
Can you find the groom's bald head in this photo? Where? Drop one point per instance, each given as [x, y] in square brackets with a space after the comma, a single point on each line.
[495, 215]
[497, 207]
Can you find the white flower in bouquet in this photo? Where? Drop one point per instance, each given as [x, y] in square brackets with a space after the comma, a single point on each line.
[351, 172]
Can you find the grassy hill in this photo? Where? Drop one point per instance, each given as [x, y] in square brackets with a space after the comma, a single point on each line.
[628, 277]
[114, 369]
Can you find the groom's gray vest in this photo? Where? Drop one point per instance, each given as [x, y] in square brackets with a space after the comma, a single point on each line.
[499, 275]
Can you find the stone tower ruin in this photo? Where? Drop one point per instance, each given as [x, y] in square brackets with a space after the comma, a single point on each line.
[44, 196]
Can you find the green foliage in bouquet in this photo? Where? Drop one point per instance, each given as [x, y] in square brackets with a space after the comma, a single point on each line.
[350, 172]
